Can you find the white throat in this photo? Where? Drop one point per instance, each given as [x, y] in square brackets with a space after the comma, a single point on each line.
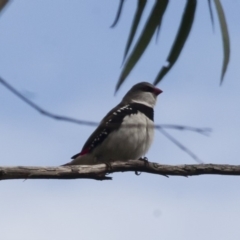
[144, 103]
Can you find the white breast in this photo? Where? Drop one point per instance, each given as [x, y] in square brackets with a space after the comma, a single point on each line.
[131, 141]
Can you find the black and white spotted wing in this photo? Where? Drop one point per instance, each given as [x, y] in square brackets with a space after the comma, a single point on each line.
[111, 122]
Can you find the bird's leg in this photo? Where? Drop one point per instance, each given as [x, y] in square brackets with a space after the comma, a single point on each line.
[145, 159]
[108, 167]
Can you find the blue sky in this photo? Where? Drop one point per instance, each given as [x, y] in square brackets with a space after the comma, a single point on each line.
[65, 58]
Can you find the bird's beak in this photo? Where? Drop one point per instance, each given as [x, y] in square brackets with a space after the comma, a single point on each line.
[157, 91]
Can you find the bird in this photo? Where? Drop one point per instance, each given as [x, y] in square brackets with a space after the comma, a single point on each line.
[126, 132]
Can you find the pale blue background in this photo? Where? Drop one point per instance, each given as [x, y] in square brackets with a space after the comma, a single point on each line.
[63, 56]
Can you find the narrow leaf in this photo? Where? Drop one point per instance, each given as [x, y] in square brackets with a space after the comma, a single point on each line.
[157, 32]
[143, 41]
[225, 37]
[180, 40]
[3, 3]
[118, 13]
[137, 17]
[211, 12]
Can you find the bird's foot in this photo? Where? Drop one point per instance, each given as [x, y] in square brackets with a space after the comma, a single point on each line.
[108, 167]
[144, 159]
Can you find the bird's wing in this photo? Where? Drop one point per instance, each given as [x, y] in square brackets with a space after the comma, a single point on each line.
[111, 122]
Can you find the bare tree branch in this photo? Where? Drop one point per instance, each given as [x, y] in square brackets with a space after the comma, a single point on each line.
[203, 131]
[99, 171]
[41, 110]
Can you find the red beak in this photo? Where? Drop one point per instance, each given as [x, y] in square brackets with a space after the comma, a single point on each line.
[157, 91]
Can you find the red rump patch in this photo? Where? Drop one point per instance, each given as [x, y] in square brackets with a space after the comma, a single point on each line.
[84, 151]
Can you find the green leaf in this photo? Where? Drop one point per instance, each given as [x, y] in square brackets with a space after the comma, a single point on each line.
[3, 3]
[144, 39]
[118, 13]
[137, 17]
[225, 37]
[211, 12]
[180, 40]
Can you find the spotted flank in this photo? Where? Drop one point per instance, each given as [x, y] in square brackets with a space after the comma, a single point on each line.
[112, 122]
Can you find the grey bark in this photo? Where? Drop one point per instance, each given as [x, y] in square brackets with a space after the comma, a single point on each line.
[100, 171]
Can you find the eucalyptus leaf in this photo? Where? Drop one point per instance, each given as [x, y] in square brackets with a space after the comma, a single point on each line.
[137, 18]
[211, 12]
[180, 40]
[144, 39]
[118, 13]
[225, 37]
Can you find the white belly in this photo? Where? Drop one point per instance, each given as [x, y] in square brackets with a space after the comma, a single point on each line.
[132, 141]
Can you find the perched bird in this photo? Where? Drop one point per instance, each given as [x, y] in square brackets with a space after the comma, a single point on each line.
[126, 132]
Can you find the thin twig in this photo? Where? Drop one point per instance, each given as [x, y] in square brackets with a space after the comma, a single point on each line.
[181, 146]
[204, 131]
[41, 110]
